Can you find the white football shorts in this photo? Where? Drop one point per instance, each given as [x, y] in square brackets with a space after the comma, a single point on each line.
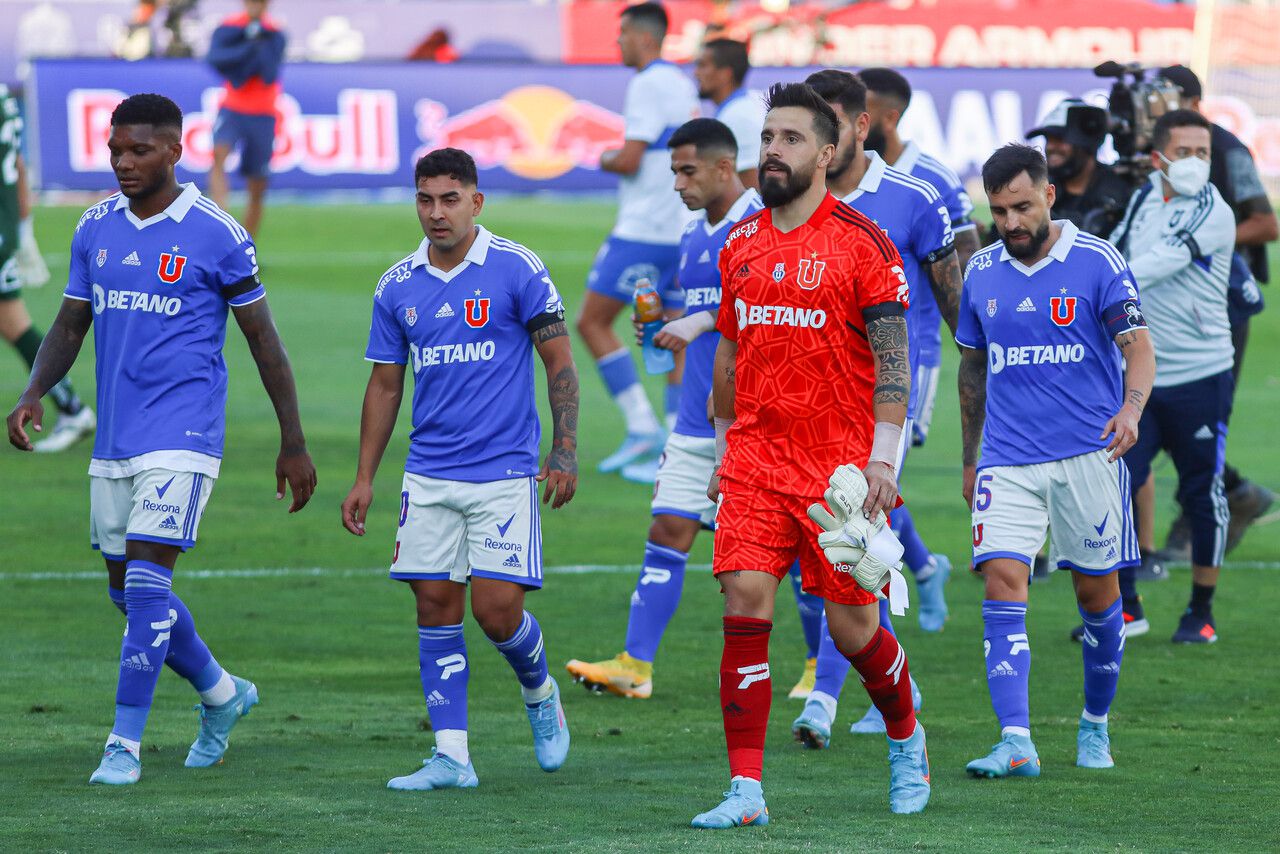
[926, 384]
[154, 505]
[454, 530]
[1084, 503]
[684, 472]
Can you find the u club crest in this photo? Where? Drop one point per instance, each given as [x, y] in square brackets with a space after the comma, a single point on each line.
[1062, 310]
[411, 315]
[991, 308]
[476, 312]
[171, 267]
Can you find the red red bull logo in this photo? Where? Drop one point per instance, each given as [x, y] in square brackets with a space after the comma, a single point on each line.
[536, 132]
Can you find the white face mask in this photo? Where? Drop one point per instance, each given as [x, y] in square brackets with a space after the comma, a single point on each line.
[1187, 176]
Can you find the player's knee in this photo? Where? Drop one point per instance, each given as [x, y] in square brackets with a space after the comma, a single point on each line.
[747, 600]
[499, 621]
[673, 532]
[437, 608]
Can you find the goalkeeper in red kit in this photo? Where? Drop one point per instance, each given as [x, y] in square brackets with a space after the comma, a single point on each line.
[811, 378]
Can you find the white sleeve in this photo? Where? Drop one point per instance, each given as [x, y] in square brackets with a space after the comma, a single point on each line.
[1209, 229]
[746, 119]
[642, 113]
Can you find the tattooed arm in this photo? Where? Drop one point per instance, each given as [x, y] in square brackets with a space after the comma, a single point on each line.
[293, 465]
[57, 354]
[972, 383]
[887, 334]
[946, 277]
[1139, 374]
[560, 470]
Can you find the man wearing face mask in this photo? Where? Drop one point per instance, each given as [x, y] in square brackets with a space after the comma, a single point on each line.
[1178, 235]
[1090, 194]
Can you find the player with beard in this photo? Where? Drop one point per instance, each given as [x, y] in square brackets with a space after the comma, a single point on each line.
[811, 373]
[1089, 194]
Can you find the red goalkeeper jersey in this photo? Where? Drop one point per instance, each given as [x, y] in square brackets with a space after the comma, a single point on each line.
[805, 372]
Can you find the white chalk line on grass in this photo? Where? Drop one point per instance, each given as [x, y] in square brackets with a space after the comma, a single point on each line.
[328, 572]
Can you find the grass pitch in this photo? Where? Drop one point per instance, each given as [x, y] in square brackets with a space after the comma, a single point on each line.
[334, 650]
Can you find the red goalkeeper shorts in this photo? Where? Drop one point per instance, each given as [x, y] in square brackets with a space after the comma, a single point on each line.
[762, 531]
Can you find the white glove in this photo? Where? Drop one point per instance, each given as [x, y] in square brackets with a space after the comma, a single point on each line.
[32, 271]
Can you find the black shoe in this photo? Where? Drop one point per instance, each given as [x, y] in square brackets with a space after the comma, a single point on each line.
[1195, 628]
[1247, 502]
[1135, 622]
[1177, 547]
[1151, 569]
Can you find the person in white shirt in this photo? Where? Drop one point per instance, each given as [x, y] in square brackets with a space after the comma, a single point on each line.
[644, 243]
[720, 72]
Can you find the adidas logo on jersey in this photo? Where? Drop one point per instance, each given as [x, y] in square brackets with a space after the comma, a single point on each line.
[169, 524]
[705, 257]
[132, 260]
[446, 310]
[1026, 305]
[138, 662]
[514, 560]
[435, 698]
[743, 272]
[1004, 668]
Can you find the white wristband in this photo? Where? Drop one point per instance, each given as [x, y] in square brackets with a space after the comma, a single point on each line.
[722, 441]
[886, 443]
[691, 326]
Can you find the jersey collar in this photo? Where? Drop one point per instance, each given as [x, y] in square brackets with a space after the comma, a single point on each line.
[176, 211]
[1058, 252]
[736, 211]
[870, 182]
[909, 158]
[477, 254]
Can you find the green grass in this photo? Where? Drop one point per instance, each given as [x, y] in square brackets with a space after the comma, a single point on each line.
[1196, 740]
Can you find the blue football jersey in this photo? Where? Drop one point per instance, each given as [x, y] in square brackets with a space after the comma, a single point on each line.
[910, 212]
[465, 334]
[699, 276]
[959, 206]
[160, 288]
[1054, 375]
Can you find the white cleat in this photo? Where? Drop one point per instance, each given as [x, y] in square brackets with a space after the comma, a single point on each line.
[69, 430]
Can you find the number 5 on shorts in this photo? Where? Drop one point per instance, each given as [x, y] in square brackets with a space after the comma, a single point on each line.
[982, 492]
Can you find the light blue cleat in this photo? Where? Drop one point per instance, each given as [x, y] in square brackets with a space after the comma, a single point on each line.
[1014, 756]
[216, 723]
[813, 728]
[933, 602]
[550, 730]
[119, 767]
[641, 471]
[873, 722]
[743, 806]
[633, 447]
[438, 772]
[909, 773]
[1093, 746]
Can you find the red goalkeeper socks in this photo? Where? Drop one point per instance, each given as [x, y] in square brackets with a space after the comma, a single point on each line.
[746, 692]
[882, 664]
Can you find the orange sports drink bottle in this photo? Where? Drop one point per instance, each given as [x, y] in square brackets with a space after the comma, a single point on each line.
[649, 314]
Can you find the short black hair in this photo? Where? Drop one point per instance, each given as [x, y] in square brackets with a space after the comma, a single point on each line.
[707, 136]
[1009, 162]
[453, 162]
[148, 109]
[886, 81]
[840, 87]
[651, 16]
[805, 97]
[1176, 119]
[727, 53]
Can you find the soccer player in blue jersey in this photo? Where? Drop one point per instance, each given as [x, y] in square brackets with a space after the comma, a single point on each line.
[1046, 316]
[466, 310]
[154, 269]
[888, 96]
[704, 158]
[914, 217]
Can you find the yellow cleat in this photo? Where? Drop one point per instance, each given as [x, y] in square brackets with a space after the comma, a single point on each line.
[623, 675]
[805, 685]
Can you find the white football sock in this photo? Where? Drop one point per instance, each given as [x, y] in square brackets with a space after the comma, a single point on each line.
[638, 412]
[135, 747]
[1016, 730]
[1093, 719]
[534, 696]
[826, 701]
[453, 743]
[222, 692]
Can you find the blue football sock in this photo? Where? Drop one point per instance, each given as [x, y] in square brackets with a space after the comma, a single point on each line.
[145, 645]
[810, 608]
[526, 654]
[443, 667]
[1008, 662]
[117, 598]
[618, 370]
[656, 597]
[671, 401]
[1128, 578]
[915, 554]
[833, 667]
[1103, 650]
[188, 656]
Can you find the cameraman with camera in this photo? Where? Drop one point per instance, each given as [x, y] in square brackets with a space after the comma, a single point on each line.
[1234, 173]
[1178, 236]
[1089, 193]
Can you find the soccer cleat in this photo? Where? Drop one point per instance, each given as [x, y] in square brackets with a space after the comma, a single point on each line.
[1014, 756]
[119, 767]
[69, 430]
[1247, 503]
[438, 772]
[873, 722]
[743, 806]
[1135, 622]
[932, 610]
[641, 471]
[216, 723]
[909, 773]
[807, 678]
[1151, 569]
[550, 730]
[1093, 746]
[1194, 628]
[1177, 546]
[633, 447]
[623, 675]
[813, 728]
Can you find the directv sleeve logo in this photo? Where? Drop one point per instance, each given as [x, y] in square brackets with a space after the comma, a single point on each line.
[134, 301]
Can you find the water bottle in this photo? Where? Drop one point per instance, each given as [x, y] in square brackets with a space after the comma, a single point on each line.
[649, 313]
